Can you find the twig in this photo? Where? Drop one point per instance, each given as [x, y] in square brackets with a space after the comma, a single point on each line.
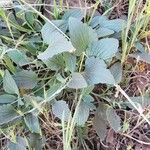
[139, 141]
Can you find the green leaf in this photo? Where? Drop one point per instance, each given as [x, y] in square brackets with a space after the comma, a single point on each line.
[140, 47]
[70, 61]
[18, 57]
[48, 30]
[29, 16]
[77, 81]
[87, 90]
[88, 99]
[9, 84]
[59, 44]
[9, 64]
[7, 114]
[56, 40]
[102, 32]
[75, 13]
[32, 123]
[7, 98]
[141, 56]
[55, 63]
[36, 141]
[113, 119]
[53, 91]
[98, 20]
[82, 114]
[116, 70]
[81, 35]
[104, 48]
[26, 79]
[61, 110]
[21, 144]
[96, 72]
[138, 100]
[100, 122]
[84, 110]
[116, 25]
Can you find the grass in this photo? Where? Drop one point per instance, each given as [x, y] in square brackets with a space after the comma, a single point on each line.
[137, 21]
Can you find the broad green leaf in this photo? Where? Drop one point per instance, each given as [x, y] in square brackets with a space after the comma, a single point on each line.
[18, 57]
[32, 123]
[21, 144]
[7, 98]
[26, 79]
[104, 48]
[87, 90]
[9, 84]
[70, 61]
[116, 70]
[59, 44]
[96, 72]
[82, 114]
[100, 122]
[75, 13]
[81, 35]
[103, 32]
[116, 25]
[140, 47]
[98, 20]
[7, 114]
[48, 30]
[77, 81]
[55, 63]
[29, 16]
[113, 119]
[141, 56]
[61, 110]
[36, 142]
[88, 99]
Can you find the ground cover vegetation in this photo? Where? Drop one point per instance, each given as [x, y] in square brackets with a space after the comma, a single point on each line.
[75, 78]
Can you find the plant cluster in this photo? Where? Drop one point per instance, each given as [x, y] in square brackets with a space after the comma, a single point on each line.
[40, 64]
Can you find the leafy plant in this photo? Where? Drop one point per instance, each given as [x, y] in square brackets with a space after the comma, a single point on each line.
[51, 59]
